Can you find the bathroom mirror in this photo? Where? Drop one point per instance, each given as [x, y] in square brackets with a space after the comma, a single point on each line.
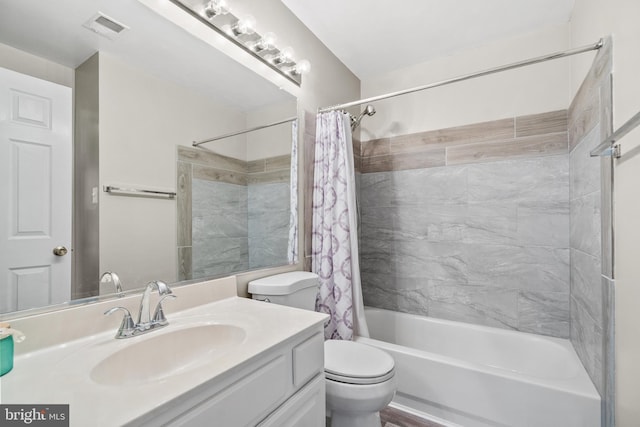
[141, 89]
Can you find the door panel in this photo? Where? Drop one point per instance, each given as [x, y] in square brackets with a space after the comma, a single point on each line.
[35, 187]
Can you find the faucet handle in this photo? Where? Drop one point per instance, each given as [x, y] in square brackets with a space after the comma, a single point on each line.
[158, 314]
[127, 327]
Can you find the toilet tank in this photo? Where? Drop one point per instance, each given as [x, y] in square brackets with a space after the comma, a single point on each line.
[295, 289]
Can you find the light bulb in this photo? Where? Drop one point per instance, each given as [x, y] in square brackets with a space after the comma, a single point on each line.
[302, 67]
[266, 43]
[284, 57]
[215, 8]
[246, 25]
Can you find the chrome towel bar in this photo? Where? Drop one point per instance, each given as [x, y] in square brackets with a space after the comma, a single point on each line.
[138, 192]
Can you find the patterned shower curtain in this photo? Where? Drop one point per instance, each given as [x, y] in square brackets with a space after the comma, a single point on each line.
[334, 229]
[292, 246]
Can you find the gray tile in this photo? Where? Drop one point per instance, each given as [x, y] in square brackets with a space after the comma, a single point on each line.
[429, 186]
[491, 222]
[184, 203]
[587, 339]
[545, 313]
[378, 223]
[404, 161]
[212, 196]
[267, 252]
[185, 263]
[268, 197]
[376, 189]
[224, 223]
[413, 301]
[536, 269]
[586, 287]
[528, 180]
[539, 124]
[431, 222]
[531, 146]
[585, 170]
[606, 213]
[495, 130]
[585, 224]
[212, 251]
[268, 224]
[484, 305]
[443, 261]
[544, 224]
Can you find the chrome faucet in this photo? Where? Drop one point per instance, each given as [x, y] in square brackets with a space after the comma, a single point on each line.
[144, 315]
[145, 322]
[113, 277]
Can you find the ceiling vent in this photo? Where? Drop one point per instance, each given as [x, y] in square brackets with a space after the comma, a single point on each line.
[105, 26]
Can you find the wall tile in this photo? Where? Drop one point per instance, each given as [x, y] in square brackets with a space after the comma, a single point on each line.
[584, 169]
[184, 202]
[586, 286]
[483, 305]
[530, 146]
[582, 121]
[539, 124]
[527, 180]
[537, 269]
[545, 313]
[585, 224]
[587, 339]
[404, 161]
[211, 159]
[185, 263]
[478, 132]
[429, 186]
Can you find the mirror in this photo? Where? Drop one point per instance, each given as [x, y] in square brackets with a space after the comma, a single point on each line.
[135, 90]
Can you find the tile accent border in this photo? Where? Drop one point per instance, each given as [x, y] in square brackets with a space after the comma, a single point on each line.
[535, 135]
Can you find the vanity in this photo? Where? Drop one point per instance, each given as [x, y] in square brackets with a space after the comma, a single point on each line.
[222, 360]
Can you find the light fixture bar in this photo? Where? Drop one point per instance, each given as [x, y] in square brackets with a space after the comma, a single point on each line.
[238, 39]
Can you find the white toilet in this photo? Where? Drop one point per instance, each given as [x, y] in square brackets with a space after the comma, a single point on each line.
[360, 379]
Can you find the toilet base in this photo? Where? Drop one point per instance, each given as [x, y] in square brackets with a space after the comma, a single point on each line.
[368, 419]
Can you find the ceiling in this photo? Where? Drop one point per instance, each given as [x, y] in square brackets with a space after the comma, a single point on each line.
[53, 30]
[374, 37]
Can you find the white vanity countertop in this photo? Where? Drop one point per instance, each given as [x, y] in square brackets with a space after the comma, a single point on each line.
[61, 374]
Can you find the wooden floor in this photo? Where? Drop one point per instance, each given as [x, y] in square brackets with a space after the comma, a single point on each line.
[392, 417]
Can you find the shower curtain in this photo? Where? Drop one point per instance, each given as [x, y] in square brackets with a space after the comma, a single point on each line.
[292, 246]
[334, 229]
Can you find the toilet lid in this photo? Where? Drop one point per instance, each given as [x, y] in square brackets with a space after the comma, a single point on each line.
[356, 363]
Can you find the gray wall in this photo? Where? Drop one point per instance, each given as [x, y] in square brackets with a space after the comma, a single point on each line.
[268, 224]
[470, 223]
[591, 242]
[86, 243]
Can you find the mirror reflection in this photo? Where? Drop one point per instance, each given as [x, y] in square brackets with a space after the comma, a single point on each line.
[84, 108]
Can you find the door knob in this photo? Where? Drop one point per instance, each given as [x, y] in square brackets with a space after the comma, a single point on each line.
[60, 251]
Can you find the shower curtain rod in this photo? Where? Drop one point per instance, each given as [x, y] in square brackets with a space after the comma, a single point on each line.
[519, 64]
[290, 119]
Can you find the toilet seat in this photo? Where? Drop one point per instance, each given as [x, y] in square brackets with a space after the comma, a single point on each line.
[355, 363]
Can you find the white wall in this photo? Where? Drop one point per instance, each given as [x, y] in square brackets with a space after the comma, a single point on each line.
[533, 89]
[35, 66]
[273, 141]
[591, 20]
[142, 119]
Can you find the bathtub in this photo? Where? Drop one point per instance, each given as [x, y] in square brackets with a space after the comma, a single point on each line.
[481, 376]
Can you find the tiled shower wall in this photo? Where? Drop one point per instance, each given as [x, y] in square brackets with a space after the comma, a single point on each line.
[232, 215]
[470, 223]
[590, 122]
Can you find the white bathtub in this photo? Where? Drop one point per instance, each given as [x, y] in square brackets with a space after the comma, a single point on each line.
[480, 376]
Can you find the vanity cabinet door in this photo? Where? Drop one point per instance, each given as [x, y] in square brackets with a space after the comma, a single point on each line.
[246, 402]
[304, 409]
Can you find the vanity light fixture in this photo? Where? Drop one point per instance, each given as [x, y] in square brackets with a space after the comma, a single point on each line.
[215, 8]
[267, 43]
[217, 15]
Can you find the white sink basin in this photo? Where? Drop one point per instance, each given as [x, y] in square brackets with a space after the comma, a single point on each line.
[168, 353]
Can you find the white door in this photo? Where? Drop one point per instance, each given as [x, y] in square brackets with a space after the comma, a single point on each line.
[35, 191]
